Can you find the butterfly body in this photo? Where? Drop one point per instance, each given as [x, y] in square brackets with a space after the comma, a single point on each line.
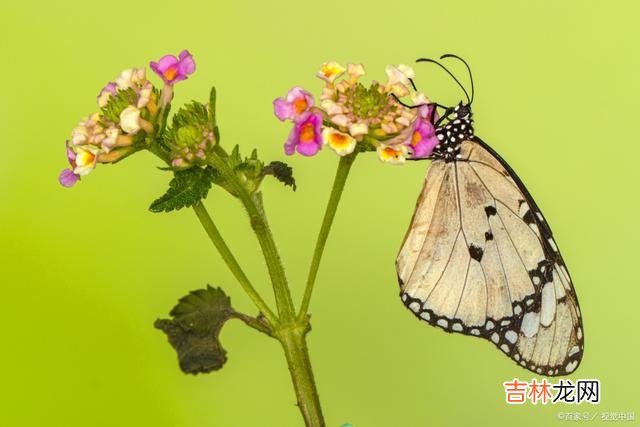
[480, 259]
[451, 135]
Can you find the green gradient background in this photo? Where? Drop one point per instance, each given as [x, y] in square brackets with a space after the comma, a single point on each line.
[85, 272]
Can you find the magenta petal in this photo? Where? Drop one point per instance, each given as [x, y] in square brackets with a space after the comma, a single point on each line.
[67, 178]
[426, 110]
[290, 144]
[428, 139]
[186, 65]
[308, 149]
[166, 62]
[282, 109]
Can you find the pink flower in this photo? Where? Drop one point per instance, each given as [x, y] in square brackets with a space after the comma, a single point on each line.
[68, 177]
[422, 139]
[306, 135]
[297, 102]
[172, 69]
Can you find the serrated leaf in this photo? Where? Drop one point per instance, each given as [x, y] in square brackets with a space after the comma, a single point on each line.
[195, 327]
[282, 172]
[185, 189]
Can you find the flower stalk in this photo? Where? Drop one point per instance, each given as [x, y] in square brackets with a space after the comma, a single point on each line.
[232, 263]
[342, 172]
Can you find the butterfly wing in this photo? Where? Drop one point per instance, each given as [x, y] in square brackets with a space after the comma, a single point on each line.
[479, 259]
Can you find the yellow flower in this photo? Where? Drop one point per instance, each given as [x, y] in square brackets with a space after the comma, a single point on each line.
[86, 158]
[329, 71]
[392, 154]
[341, 143]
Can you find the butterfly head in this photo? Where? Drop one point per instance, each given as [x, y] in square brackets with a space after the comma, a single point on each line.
[462, 111]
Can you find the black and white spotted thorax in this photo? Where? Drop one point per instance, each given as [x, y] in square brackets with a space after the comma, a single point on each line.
[455, 127]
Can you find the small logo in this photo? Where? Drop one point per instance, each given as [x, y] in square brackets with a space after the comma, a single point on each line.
[565, 391]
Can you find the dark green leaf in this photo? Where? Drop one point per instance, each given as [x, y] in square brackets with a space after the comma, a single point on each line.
[185, 189]
[195, 327]
[282, 172]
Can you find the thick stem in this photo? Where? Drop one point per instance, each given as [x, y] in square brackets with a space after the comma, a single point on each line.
[295, 349]
[231, 261]
[329, 214]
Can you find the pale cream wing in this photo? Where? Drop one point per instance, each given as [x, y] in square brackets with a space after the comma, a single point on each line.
[479, 259]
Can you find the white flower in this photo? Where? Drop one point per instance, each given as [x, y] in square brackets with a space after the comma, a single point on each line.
[130, 119]
[112, 133]
[358, 129]
[131, 77]
[399, 79]
[355, 71]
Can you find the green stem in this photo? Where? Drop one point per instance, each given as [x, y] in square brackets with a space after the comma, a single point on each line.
[330, 212]
[256, 323]
[297, 354]
[289, 331]
[232, 263]
[253, 205]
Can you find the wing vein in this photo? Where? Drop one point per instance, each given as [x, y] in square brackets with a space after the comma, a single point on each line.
[426, 235]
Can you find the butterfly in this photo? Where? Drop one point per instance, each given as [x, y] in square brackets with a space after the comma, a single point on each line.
[479, 257]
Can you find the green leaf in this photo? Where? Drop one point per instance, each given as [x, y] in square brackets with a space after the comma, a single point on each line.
[212, 106]
[194, 113]
[282, 172]
[185, 189]
[195, 327]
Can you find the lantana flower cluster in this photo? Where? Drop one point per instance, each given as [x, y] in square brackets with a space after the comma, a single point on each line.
[352, 116]
[129, 108]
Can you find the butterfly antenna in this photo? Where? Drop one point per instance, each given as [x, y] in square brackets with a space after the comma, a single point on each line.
[451, 55]
[448, 72]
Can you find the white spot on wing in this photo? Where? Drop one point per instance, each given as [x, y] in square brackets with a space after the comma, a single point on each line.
[571, 366]
[511, 336]
[443, 323]
[548, 310]
[414, 306]
[425, 315]
[530, 324]
[489, 325]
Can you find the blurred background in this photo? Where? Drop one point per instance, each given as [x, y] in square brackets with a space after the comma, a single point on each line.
[85, 272]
